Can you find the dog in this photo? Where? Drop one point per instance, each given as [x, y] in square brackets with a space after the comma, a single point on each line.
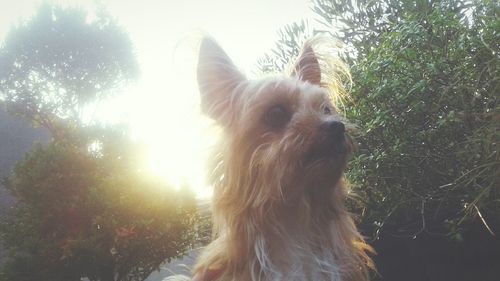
[278, 205]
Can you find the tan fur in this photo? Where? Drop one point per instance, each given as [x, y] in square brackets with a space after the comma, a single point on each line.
[278, 203]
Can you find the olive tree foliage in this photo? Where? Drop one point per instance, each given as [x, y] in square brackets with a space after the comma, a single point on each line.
[290, 38]
[62, 60]
[425, 99]
[360, 23]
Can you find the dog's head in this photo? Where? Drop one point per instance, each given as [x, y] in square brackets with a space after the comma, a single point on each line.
[284, 137]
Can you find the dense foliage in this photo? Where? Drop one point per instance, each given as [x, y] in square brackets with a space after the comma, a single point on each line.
[16, 138]
[428, 101]
[425, 98]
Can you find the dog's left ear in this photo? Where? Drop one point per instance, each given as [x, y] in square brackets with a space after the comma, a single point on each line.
[217, 79]
[307, 66]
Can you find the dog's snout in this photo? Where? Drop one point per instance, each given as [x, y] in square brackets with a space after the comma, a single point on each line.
[334, 128]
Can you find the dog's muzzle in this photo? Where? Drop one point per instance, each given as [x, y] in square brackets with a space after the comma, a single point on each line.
[331, 144]
[335, 130]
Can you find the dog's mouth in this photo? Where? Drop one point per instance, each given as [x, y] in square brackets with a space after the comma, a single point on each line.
[325, 162]
[332, 143]
[330, 150]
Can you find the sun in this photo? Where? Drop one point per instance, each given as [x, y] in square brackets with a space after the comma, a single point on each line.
[166, 117]
[163, 112]
[179, 153]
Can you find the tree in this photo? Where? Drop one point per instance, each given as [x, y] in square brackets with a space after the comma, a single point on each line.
[431, 86]
[90, 211]
[61, 61]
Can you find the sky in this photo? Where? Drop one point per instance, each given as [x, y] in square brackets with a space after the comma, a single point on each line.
[163, 105]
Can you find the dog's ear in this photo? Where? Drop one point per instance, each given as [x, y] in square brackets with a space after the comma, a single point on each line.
[307, 66]
[217, 79]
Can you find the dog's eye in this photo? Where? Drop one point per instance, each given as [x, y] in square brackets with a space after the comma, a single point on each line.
[327, 110]
[277, 117]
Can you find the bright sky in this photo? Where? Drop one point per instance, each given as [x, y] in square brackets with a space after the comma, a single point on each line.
[163, 105]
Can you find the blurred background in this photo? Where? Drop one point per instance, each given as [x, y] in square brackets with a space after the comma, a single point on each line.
[103, 147]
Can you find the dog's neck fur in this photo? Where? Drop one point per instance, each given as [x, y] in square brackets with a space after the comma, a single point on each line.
[303, 246]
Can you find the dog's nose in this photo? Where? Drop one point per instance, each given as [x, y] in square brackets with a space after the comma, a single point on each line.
[335, 128]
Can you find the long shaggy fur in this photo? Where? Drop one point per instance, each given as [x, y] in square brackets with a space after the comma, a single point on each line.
[278, 204]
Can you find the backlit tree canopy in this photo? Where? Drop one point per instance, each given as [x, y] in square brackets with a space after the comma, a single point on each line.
[61, 60]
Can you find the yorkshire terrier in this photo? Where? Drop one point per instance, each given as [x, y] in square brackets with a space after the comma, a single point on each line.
[278, 204]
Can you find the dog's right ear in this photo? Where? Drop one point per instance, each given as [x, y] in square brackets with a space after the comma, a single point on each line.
[307, 67]
[217, 79]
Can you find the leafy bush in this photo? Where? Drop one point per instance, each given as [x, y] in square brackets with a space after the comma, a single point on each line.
[427, 100]
[92, 213]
